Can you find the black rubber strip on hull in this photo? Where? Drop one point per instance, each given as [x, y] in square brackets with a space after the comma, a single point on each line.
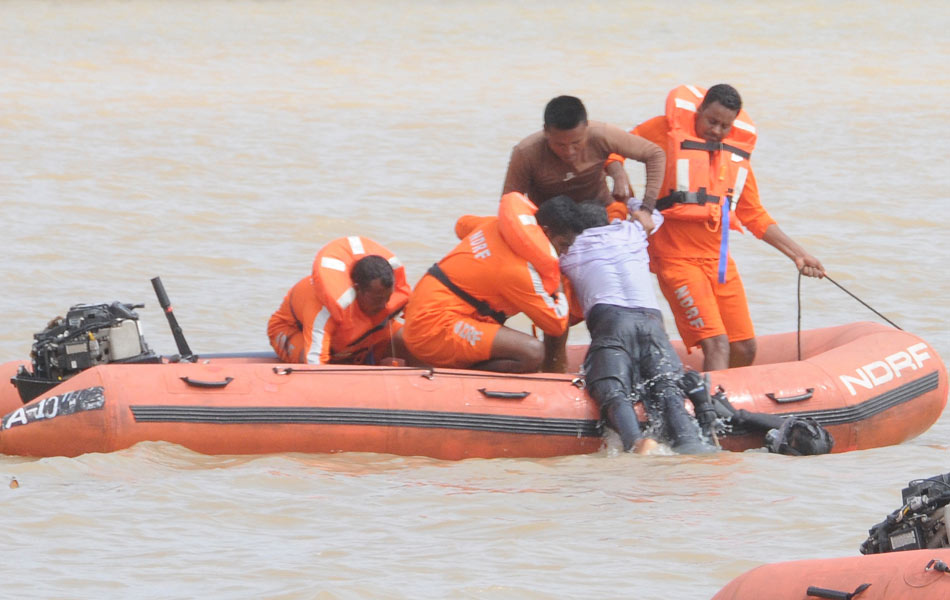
[365, 416]
[876, 405]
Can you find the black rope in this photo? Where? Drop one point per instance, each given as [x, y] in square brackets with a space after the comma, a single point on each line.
[799, 316]
[426, 372]
[841, 287]
[866, 305]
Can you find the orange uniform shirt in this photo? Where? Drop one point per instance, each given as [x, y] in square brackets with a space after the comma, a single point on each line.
[302, 331]
[445, 330]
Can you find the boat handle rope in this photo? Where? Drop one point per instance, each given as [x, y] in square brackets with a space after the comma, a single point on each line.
[206, 384]
[575, 381]
[430, 373]
[817, 592]
[809, 392]
[842, 288]
[373, 369]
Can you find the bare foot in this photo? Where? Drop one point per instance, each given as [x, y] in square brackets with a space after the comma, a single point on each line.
[645, 445]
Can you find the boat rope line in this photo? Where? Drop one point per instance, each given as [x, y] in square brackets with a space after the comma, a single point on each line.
[873, 406]
[865, 304]
[378, 370]
[271, 415]
[430, 373]
[842, 288]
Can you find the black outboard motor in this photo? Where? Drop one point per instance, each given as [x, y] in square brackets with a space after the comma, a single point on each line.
[920, 523]
[89, 335]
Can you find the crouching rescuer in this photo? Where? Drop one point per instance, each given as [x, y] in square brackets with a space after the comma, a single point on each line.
[503, 266]
[344, 311]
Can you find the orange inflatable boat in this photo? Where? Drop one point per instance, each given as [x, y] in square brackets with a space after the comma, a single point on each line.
[910, 575]
[870, 385]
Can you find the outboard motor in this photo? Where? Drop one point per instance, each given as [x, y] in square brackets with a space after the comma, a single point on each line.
[89, 335]
[920, 523]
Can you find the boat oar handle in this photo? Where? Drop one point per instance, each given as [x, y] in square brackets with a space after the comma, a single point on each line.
[809, 392]
[207, 384]
[503, 395]
[183, 350]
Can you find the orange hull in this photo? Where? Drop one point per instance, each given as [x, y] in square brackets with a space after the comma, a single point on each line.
[870, 385]
[892, 576]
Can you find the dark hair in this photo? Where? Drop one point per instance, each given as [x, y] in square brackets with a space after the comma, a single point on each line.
[372, 267]
[559, 215]
[564, 112]
[724, 94]
[591, 215]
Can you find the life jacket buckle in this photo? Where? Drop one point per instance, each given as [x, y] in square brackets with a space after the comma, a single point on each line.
[715, 217]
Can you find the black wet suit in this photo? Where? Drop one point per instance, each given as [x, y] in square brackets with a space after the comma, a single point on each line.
[629, 346]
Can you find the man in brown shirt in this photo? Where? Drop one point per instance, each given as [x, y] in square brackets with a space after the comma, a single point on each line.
[567, 158]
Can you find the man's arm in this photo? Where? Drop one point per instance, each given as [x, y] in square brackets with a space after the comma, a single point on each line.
[644, 150]
[757, 220]
[555, 346]
[555, 353]
[654, 158]
[548, 312]
[518, 177]
[807, 264]
[324, 327]
[622, 191]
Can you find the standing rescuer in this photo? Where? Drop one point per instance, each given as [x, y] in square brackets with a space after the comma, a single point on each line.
[709, 188]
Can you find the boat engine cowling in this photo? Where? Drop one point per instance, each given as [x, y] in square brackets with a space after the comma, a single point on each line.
[89, 335]
[920, 523]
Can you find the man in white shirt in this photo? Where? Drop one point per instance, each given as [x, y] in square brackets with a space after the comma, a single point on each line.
[609, 269]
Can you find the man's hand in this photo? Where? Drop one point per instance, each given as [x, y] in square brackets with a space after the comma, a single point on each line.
[809, 266]
[806, 264]
[621, 191]
[645, 217]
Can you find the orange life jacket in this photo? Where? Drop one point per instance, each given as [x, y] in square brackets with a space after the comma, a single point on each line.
[701, 177]
[466, 224]
[333, 288]
[521, 232]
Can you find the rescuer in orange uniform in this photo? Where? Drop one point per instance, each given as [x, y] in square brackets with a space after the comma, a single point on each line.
[456, 312]
[344, 311]
[708, 189]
